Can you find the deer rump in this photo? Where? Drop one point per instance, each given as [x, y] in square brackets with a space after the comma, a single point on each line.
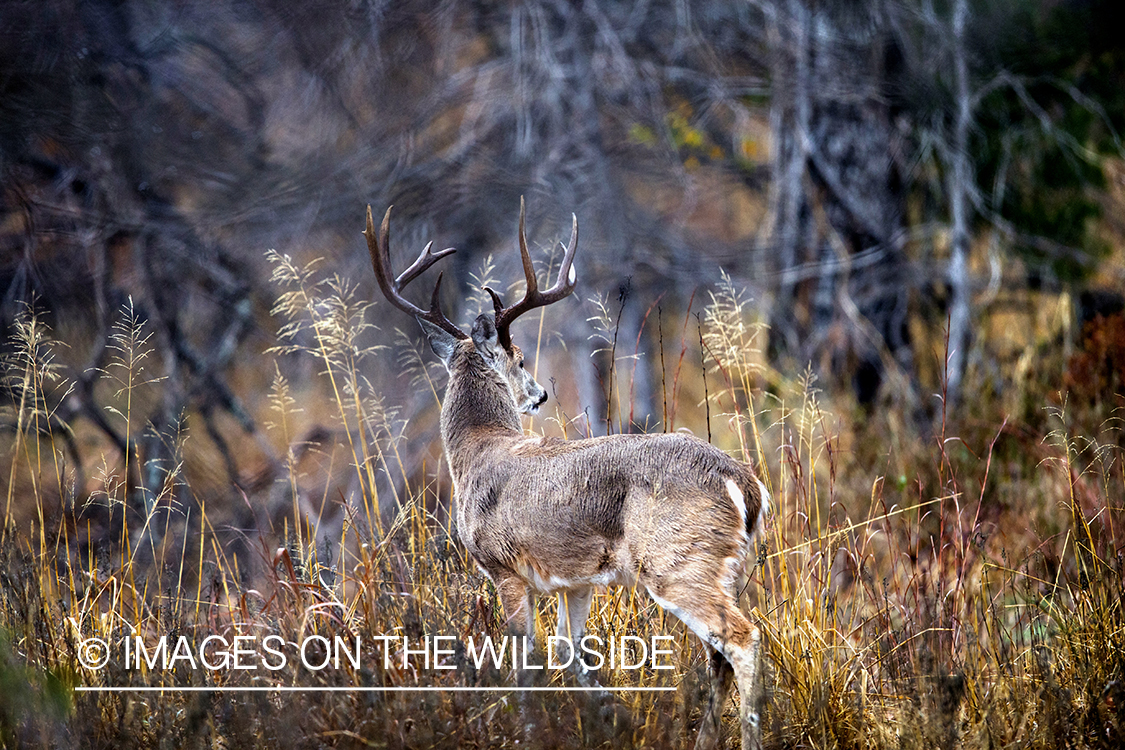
[616, 510]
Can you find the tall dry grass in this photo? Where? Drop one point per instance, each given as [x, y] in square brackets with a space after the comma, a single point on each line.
[957, 589]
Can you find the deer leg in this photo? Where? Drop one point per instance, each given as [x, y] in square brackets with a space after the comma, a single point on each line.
[714, 616]
[518, 601]
[515, 597]
[519, 609]
[744, 659]
[738, 646]
[603, 720]
[574, 610]
[722, 675]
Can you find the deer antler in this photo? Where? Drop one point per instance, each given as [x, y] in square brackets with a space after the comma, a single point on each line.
[534, 298]
[379, 247]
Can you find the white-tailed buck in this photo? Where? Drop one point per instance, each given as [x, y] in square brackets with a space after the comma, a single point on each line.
[549, 516]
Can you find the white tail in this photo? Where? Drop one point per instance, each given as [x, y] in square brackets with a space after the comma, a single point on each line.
[668, 512]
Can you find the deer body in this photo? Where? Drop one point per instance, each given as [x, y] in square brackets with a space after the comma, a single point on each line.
[667, 512]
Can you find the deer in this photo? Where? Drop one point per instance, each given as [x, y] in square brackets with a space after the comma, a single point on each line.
[543, 515]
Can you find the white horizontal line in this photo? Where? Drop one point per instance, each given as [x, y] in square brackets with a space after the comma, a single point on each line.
[358, 689]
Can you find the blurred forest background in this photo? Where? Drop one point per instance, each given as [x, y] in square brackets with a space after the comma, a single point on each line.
[878, 248]
[922, 198]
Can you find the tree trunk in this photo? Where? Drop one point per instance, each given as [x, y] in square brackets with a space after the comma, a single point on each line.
[960, 175]
[834, 193]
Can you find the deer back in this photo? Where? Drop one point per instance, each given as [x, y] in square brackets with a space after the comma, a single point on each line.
[567, 513]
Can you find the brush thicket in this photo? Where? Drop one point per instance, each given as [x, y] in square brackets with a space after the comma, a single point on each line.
[956, 590]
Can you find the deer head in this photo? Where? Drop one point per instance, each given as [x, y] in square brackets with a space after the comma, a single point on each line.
[490, 339]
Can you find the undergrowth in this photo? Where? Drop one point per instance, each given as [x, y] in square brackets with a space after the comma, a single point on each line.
[956, 587]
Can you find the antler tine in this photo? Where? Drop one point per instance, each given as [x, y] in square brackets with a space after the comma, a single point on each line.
[379, 248]
[424, 261]
[525, 256]
[533, 298]
[497, 304]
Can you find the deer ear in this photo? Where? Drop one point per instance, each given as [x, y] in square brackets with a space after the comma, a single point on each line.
[485, 338]
[441, 341]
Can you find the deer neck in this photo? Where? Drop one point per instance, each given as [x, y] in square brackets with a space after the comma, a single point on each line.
[478, 409]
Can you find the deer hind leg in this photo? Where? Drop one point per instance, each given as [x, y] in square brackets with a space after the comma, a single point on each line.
[743, 657]
[730, 639]
[722, 675]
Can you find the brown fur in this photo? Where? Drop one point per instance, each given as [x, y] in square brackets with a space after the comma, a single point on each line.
[668, 512]
[548, 516]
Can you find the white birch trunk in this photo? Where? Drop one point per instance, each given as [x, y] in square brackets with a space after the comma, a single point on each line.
[959, 178]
